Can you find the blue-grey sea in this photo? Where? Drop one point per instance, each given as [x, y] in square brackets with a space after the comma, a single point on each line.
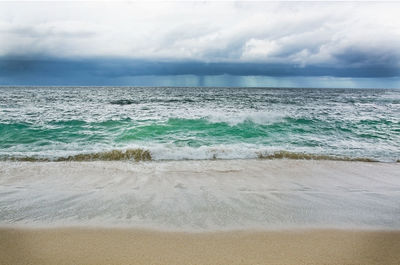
[199, 123]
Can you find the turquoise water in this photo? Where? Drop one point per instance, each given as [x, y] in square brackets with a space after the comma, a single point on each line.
[199, 123]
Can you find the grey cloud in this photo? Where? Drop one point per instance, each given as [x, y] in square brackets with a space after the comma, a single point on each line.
[357, 56]
[298, 37]
[46, 31]
[114, 67]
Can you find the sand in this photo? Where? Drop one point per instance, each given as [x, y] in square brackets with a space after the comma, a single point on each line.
[134, 246]
[202, 195]
[266, 211]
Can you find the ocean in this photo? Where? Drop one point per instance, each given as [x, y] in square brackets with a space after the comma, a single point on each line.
[195, 123]
[223, 158]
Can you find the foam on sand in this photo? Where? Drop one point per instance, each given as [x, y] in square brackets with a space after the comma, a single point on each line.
[202, 195]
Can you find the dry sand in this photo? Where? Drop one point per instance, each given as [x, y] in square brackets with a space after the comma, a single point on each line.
[133, 246]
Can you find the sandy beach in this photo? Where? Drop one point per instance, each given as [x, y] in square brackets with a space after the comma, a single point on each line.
[199, 133]
[202, 195]
[128, 246]
[199, 212]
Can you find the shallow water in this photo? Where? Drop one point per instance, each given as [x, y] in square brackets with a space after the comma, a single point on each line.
[199, 123]
[202, 195]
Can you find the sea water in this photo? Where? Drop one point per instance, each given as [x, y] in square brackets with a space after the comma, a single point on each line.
[220, 133]
[169, 123]
[198, 195]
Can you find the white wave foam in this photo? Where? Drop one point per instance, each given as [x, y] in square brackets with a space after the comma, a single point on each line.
[230, 151]
[201, 195]
[259, 117]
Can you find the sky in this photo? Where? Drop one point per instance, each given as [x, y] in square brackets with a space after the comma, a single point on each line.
[324, 44]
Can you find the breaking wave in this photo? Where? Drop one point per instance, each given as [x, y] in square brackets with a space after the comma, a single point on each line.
[147, 155]
[113, 155]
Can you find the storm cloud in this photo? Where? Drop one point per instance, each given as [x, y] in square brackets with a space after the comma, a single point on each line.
[199, 38]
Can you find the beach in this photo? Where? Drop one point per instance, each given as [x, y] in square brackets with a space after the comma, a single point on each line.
[200, 212]
[202, 195]
[199, 132]
[131, 246]
[196, 175]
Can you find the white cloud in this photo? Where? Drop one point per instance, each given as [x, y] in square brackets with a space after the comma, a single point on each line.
[255, 49]
[296, 33]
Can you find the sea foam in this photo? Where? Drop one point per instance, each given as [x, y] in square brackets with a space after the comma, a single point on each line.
[201, 195]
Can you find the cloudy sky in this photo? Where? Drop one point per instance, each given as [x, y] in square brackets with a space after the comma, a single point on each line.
[200, 43]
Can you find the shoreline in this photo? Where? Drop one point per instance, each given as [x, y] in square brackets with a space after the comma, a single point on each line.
[202, 195]
[145, 155]
[280, 212]
[137, 246]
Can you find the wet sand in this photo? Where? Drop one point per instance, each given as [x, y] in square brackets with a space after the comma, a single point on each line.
[134, 246]
[265, 211]
[202, 195]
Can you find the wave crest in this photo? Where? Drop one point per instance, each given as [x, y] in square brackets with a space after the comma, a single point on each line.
[259, 117]
[305, 156]
[113, 155]
[139, 154]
